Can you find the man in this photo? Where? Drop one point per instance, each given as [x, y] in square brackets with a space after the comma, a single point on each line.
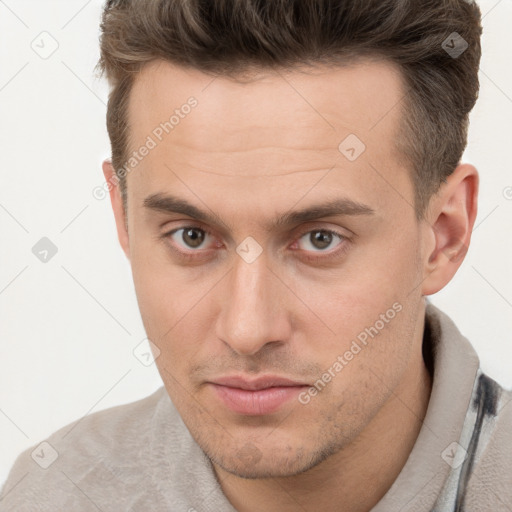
[287, 186]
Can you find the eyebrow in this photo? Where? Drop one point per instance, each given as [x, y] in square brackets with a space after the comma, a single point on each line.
[336, 207]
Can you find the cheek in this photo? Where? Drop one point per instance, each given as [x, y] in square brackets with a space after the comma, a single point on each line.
[172, 306]
[355, 301]
[158, 283]
[364, 364]
[160, 298]
[370, 314]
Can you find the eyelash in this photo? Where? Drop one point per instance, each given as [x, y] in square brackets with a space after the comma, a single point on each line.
[324, 257]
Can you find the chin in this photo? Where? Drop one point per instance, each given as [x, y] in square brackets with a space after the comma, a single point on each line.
[251, 463]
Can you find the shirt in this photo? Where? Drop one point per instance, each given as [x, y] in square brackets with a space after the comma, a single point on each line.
[141, 456]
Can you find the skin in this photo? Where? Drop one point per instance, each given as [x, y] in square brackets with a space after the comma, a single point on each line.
[249, 152]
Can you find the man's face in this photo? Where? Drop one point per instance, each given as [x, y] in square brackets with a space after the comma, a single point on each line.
[252, 291]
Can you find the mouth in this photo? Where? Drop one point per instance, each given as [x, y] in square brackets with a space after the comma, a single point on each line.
[256, 397]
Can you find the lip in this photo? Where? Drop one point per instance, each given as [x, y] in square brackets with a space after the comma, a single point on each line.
[263, 382]
[253, 397]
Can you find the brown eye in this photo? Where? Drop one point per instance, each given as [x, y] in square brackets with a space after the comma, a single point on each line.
[319, 239]
[193, 237]
[189, 237]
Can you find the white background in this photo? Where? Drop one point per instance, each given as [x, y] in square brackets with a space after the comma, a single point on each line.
[68, 327]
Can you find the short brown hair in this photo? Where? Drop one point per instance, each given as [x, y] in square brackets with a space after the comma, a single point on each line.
[231, 37]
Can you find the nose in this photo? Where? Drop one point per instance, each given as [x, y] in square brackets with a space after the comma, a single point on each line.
[252, 312]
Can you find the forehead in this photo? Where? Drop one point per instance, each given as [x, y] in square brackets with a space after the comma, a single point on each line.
[358, 98]
[277, 123]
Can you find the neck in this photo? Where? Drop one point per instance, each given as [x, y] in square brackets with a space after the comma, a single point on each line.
[375, 457]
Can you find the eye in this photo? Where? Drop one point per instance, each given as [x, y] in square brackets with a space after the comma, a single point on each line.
[320, 240]
[189, 237]
[193, 243]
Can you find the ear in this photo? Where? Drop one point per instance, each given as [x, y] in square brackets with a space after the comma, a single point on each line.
[117, 206]
[451, 216]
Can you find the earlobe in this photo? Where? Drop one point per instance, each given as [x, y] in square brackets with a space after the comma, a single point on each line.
[451, 219]
[117, 205]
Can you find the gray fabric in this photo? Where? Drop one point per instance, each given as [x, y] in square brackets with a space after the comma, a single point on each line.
[141, 457]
